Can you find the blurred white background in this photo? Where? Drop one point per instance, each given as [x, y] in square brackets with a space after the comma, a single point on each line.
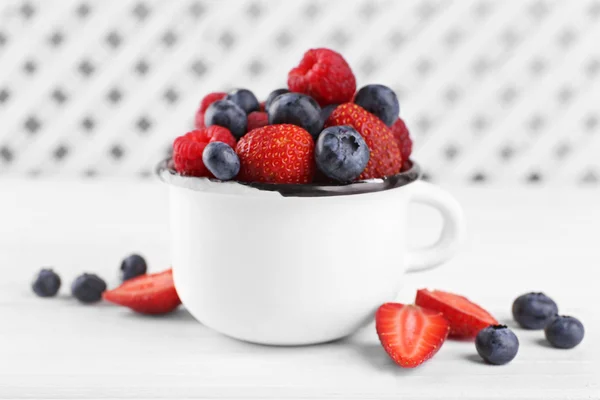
[494, 92]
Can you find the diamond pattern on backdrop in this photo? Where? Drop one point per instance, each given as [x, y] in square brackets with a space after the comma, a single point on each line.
[493, 92]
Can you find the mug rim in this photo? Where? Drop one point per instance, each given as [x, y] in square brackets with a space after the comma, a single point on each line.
[166, 173]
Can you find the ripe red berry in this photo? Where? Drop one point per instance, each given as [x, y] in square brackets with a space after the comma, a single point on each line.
[276, 154]
[385, 157]
[405, 144]
[324, 75]
[257, 119]
[188, 149]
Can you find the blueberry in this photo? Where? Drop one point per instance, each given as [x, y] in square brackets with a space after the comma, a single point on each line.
[227, 114]
[497, 344]
[379, 100]
[133, 266]
[534, 310]
[341, 153]
[88, 288]
[326, 112]
[297, 109]
[272, 97]
[245, 99]
[221, 160]
[564, 332]
[46, 283]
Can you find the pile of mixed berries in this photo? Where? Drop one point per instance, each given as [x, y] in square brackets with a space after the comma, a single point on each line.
[319, 129]
[139, 291]
[412, 334]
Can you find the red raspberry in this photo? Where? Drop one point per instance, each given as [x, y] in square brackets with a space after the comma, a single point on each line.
[385, 158]
[276, 154]
[206, 101]
[209, 99]
[187, 149]
[402, 137]
[257, 119]
[262, 106]
[324, 75]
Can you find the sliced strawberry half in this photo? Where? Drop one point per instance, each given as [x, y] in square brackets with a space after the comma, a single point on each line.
[466, 318]
[147, 294]
[410, 334]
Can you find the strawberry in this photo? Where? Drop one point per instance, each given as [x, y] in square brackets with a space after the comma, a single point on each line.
[276, 154]
[466, 318]
[385, 158]
[410, 334]
[147, 294]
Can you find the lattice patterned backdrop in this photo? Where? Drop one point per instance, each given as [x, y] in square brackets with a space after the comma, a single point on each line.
[494, 91]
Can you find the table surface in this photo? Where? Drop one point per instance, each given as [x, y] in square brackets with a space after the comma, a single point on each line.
[519, 240]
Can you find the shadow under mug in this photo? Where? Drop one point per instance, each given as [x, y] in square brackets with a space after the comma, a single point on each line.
[298, 264]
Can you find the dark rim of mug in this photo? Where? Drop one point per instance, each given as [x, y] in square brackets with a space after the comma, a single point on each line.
[166, 172]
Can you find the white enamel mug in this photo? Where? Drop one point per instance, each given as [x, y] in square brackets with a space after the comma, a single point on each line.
[298, 264]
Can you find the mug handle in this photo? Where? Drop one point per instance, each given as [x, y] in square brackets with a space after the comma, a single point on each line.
[453, 231]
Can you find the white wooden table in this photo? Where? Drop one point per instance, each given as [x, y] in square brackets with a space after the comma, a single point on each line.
[519, 240]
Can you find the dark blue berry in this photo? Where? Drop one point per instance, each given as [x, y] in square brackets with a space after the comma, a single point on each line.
[245, 99]
[341, 153]
[379, 100]
[564, 332]
[221, 160]
[88, 288]
[326, 112]
[46, 283]
[297, 109]
[227, 114]
[497, 344]
[534, 310]
[272, 96]
[133, 266]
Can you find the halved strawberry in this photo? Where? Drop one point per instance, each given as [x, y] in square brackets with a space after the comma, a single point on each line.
[410, 334]
[147, 294]
[466, 318]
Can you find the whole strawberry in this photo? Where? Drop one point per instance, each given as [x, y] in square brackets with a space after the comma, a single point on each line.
[188, 149]
[206, 101]
[324, 75]
[385, 158]
[276, 154]
[402, 137]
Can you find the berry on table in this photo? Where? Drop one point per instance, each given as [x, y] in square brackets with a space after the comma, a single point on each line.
[227, 114]
[534, 310]
[497, 344]
[276, 154]
[465, 317]
[296, 109]
[188, 149]
[147, 294]
[245, 99]
[324, 75]
[46, 283]
[133, 266]
[88, 288]
[221, 160]
[410, 334]
[272, 97]
[257, 119]
[385, 159]
[379, 100]
[564, 332]
[341, 153]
